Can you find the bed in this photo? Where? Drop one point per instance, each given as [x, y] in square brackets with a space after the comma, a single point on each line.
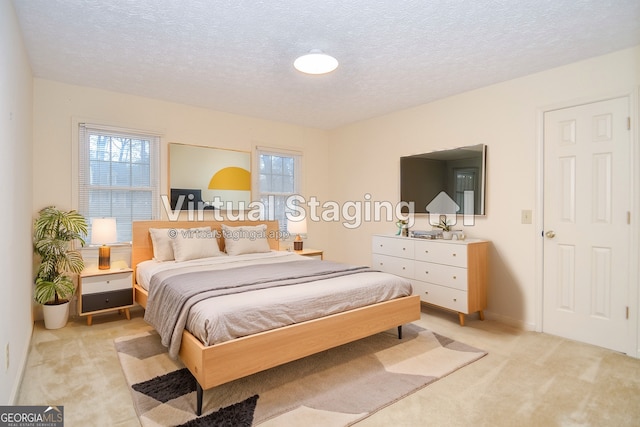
[209, 361]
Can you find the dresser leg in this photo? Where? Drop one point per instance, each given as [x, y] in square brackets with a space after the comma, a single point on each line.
[89, 320]
[461, 317]
[481, 314]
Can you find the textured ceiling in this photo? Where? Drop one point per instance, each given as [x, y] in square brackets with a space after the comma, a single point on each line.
[237, 56]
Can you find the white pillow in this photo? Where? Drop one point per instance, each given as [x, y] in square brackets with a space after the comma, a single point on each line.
[245, 239]
[162, 238]
[162, 248]
[195, 243]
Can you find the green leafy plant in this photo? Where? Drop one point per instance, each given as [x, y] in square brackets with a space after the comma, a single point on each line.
[443, 225]
[54, 231]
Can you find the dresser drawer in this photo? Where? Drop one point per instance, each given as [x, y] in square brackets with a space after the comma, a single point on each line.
[389, 264]
[419, 288]
[106, 283]
[442, 296]
[398, 247]
[105, 300]
[441, 253]
[440, 274]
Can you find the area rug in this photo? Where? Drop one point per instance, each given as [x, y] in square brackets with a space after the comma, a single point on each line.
[337, 387]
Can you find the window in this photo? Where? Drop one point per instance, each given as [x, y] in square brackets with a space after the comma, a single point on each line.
[278, 177]
[118, 176]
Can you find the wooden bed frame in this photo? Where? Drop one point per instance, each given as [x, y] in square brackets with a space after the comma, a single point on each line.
[221, 363]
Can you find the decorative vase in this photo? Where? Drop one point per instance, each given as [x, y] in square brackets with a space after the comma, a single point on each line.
[55, 316]
[447, 235]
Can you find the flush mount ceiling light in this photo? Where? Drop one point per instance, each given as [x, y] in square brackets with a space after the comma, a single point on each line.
[316, 62]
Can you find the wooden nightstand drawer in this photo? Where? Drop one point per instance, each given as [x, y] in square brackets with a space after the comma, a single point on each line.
[106, 283]
[106, 300]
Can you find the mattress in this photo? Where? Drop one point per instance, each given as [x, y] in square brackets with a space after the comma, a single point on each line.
[227, 317]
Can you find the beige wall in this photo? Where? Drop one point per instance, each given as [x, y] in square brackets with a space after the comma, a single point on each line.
[56, 105]
[348, 163]
[16, 95]
[364, 158]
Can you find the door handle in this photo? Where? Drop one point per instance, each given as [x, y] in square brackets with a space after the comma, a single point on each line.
[550, 234]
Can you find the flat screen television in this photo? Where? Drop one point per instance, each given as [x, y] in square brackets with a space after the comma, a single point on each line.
[460, 173]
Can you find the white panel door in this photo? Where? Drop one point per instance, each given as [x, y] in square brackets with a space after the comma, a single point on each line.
[586, 203]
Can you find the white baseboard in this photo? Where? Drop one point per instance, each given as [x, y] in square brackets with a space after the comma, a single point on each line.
[15, 389]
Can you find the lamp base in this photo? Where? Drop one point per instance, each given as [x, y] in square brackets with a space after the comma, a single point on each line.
[297, 243]
[104, 257]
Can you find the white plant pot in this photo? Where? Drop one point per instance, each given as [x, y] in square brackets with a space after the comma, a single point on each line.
[447, 235]
[55, 316]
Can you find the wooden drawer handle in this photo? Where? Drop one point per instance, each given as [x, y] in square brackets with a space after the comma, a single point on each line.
[454, 277]
[454, 254]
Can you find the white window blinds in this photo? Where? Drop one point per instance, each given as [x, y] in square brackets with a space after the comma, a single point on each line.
[119, 176]
[278, 178]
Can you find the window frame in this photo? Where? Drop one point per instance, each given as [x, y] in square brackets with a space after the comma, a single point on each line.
[81, 153]
[257, 193]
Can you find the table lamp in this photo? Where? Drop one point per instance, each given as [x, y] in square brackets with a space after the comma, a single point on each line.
[297, 227]
[103, 232]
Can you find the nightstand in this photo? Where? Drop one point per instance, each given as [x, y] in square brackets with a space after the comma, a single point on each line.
[311, 252]
[101, 291]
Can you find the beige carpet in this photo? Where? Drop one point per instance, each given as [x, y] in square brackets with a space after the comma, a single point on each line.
[337, 387]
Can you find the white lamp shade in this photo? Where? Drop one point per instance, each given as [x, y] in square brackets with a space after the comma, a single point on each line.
[297, 226]
[103, 231]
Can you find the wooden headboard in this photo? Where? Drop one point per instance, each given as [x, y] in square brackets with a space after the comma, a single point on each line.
[142, 248]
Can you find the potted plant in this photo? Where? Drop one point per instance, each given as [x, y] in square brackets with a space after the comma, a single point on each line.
[445, 227]
[54, 232]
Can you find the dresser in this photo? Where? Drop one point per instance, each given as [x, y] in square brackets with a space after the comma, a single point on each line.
[447, 273]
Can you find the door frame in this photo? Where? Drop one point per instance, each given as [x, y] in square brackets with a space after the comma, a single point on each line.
[633, 95]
